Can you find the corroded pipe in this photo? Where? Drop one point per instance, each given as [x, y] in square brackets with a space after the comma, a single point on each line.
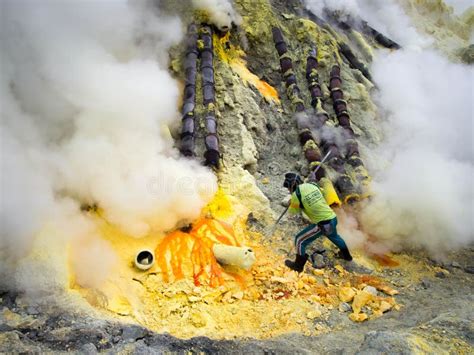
[353, 60]
[313, 78]
[212, 153]
[345, 121]
[211, 123]
[351, 193]
[379, 37]
[356, 22]
[339, 104]
[280, 43]
[189, 94]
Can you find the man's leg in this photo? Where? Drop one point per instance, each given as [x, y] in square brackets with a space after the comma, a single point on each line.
[302, 240]
[334, 237]
[306, 237]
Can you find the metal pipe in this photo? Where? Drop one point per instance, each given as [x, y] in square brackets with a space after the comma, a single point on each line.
[212, 153]
[189, 95]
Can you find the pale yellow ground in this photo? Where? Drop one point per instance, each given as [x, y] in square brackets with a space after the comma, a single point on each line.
[266, 301]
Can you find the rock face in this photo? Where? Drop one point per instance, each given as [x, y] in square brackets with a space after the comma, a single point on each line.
[388, 342]
[258, 133]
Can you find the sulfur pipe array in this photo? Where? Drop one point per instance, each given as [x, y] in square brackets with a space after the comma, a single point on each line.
[310, 147]
[188, 128]
[212, 153]
[189, 98]
[326, 143]
[352, 148]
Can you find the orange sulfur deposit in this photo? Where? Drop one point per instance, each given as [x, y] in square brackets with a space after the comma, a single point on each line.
[181, 253]
[233, 57]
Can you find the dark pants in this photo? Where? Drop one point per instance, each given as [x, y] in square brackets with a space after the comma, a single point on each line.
[314, 231]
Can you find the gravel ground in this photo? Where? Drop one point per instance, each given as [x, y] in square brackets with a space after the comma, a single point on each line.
[437, 316]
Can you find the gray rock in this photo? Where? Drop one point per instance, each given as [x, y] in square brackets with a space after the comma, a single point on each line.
[451, 322]
[345, 307]
[352, 266]
[295, 151]
[304, 171]
[387, 342]
[33, 310]
[425, 284]
[88, 348]
[370, 289]
[133, 332]
[440, 275]
[298, 165]
[469, 269]
[142, 349]
[11, 343]
[456, 264]
[318, 261]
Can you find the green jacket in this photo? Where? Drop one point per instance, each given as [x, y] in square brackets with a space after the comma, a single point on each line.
[314, 203]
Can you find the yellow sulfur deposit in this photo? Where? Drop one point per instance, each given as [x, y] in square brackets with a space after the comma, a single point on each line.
[346, 294]
[231, 55]
[188, 293]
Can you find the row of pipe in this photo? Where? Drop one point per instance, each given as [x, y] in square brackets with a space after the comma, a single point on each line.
[352, 147]
[188, 129]
[311, 149]
[328, 143]
[321, 116]
[211, 154]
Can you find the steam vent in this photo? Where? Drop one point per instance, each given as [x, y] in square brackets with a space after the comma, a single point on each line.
[237, 176]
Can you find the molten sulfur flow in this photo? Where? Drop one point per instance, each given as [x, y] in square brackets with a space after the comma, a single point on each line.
[182, 254]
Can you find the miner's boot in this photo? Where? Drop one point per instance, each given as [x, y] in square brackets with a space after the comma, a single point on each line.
[345, 254]
[298, 264]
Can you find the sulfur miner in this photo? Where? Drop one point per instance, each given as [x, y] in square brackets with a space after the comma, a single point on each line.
[308, 197]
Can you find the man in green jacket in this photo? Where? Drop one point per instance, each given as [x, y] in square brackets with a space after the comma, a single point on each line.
[309, 198]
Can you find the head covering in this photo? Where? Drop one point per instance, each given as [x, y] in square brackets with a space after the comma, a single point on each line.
[292, 180]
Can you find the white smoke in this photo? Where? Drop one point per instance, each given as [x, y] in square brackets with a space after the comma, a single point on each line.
[424, 193]
[423, 188]
[85, 104]
[221, 12]
[459, 6]
[385, 16]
